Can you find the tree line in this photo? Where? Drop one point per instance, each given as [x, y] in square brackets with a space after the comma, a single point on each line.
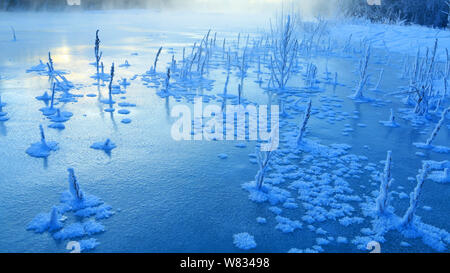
[423, 12]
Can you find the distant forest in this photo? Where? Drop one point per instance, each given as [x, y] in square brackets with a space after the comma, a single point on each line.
[42, 5]
[423, 12]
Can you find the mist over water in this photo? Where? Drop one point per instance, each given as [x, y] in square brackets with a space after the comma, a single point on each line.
[306, 8]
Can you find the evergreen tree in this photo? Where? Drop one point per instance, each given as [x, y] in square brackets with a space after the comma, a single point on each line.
[423, 12]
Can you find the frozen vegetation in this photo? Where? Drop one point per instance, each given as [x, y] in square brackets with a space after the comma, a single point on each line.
[363, 133]
[87, 208]
[42, 148]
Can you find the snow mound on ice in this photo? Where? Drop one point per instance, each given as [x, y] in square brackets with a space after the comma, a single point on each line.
[287, 225]
[77, 230]
[440, 177]
[106, 146]
[244, 241]
[88, 244]
[272, 194]
[39, 149]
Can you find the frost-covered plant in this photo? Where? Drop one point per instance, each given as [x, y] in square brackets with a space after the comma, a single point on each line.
[225, 88]
[263, 158]
[284, 50]
[74, 187]
[110, 82]
[282, 106]
[13, 34]
[239, 93]
[42, 148]
[191, 63]
[414, 197]
[203, 47]
[363, 75]
[421, 90]
[306, 117]
[437, 127]
[173, 63]
[313, 33]
[98, 54]
[52, 100]
[311, 74]
[102, 68]
[391, 122]
[167, 80]
[153, 69]
[50, 66]
[413, 79]
[382, 201]
[335, 83]
[203, 65]
[392, 117]
[377, 86]
[55, 222]
[41, 130]
[243, 67]
[258, 72]
[238, 40]
[223, 48]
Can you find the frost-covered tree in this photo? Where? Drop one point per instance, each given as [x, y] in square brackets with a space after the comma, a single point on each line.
[363, 76]
[284, 50]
